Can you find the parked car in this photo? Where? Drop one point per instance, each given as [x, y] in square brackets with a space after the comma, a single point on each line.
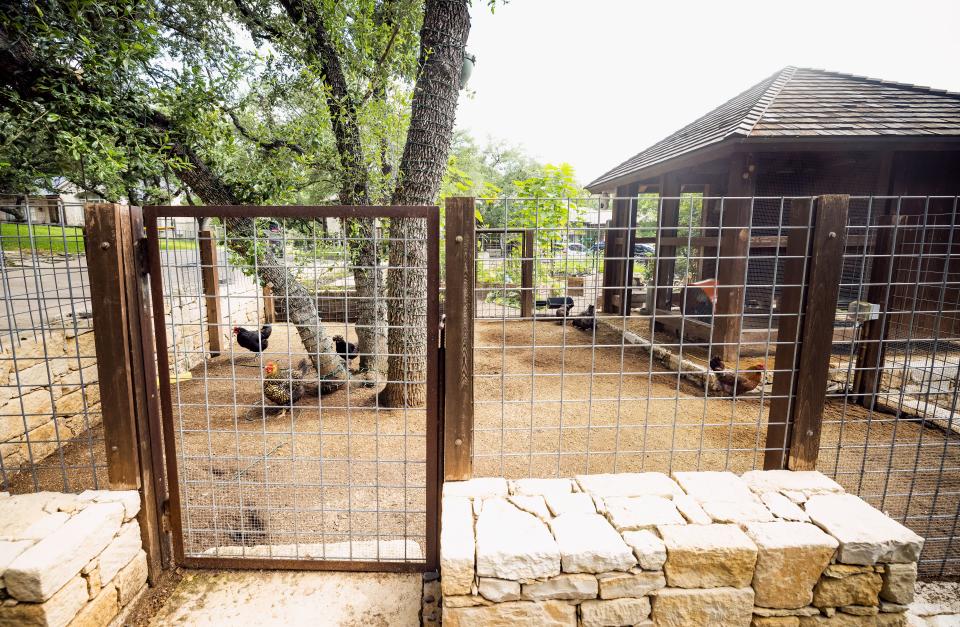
[598, 246]
[644, 250]
[572, 250]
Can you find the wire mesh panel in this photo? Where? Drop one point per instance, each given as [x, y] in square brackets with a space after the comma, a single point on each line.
[286, 443]
[890, 432]
[664, 333]
[51, 436]
[640, 348]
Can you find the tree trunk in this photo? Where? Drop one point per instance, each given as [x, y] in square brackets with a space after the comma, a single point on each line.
[301, 305]
[446, 25]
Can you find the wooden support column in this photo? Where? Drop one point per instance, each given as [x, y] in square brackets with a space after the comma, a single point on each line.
[618, 252]
[870, 352]
[807, 362]
[668, 220]
[790, 311]
[115, 250]
[527, 291]
[461, 247]
[211, 289]
[736, 210]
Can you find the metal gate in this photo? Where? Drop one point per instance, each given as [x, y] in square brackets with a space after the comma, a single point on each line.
[281, 449]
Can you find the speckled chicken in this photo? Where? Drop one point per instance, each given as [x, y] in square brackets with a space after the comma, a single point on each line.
[284, 386]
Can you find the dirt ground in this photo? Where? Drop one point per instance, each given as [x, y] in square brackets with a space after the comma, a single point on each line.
[550, 400]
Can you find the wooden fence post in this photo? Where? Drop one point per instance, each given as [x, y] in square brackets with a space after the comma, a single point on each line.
[527, 292]
[127, 375]
[269, 308]
[461, 250]
[211, 289]
[824, 262]
[790, 311]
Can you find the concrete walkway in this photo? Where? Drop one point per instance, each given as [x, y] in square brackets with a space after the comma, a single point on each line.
[235, 598]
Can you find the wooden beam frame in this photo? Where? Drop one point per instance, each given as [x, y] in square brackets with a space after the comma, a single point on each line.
[119, 289]
[211, 289]
[668, 220]
[461, 247]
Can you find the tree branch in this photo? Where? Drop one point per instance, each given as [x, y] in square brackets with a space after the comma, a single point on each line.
[266, 146]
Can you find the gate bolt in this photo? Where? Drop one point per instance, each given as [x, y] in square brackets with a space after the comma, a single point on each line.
[458, 238]
[104, 245]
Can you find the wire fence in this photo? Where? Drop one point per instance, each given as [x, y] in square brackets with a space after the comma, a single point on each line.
[628, 334]
[49, 397]
[286, 449]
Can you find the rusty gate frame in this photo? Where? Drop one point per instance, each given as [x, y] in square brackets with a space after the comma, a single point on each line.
[431, 214]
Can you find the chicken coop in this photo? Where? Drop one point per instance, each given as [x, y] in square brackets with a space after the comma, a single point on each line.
[798, 133]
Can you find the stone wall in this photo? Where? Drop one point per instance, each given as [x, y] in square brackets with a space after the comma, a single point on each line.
[774, 548]
[54, 374]
[70, 559]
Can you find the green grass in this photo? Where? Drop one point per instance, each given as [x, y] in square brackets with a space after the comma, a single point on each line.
[60, 239]
[56, 239]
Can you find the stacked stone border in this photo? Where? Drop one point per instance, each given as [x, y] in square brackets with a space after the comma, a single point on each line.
[769, 548]
[70, 559]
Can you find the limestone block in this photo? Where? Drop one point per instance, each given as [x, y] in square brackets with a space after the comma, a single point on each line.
[466, 600]
[541, 487]
[806, 482]
[457, 546]
[40, 375]
[532, 504]
[714, 486]
[632, 585]
[588, 544]
[839, 619]
[131, 578]
[648, 548]
[691, 510]
[892, 608]
[866, 535]
[75, 402]
[641, 512]
[480, 487]
[776, 612]
[94, 583]
[57, 611]
[838, 588]
[860, 610]
[790, 558]
[708, 556]
[120, 551]
[629, 484]
[130, 499]
[9, 550]
[574, 503]
[565, 587]
[775, 621]
[515, 545]
[100, 611]
[782, 507]
[717, 607]
[512, 614]
[899, 581]
[35, 410]
[615, 612]
[498, 590]
[900, 620]
[37, 573]
[738, 512]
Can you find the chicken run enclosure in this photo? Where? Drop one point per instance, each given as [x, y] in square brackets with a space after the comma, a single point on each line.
[833, 343]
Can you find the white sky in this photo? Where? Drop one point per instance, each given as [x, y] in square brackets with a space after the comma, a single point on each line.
[593, 82]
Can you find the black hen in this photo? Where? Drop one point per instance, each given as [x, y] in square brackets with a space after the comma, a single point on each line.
[563, 313]
[346, 350]
[586, 320]
[253, 341]
[252, 529]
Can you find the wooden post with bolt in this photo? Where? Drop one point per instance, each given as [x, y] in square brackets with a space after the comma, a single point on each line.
[458, 370]
[127, 374]
[269, 308]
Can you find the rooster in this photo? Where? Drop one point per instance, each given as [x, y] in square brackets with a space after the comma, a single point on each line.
[253, 341]
[284, 386]
[586, 320]
[737, 383]
[346, 350]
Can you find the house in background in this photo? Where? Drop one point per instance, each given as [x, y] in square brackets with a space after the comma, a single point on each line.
[800, 132]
